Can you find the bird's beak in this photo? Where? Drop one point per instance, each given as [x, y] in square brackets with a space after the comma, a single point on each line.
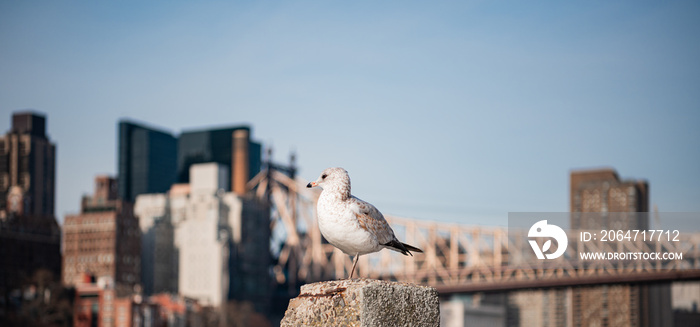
[312, 184]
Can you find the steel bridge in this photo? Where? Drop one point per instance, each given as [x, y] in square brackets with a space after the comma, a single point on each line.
[457, 258]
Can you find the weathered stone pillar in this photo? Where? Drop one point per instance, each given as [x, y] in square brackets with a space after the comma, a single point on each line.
[363, 302]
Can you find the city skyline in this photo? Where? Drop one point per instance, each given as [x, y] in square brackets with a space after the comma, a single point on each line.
[461, 112]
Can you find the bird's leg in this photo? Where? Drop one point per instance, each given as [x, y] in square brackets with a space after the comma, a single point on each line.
[354, 263]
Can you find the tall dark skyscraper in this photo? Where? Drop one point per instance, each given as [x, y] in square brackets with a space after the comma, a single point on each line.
[30, 238]
[231, 147]
[147, 160]
[27, 167]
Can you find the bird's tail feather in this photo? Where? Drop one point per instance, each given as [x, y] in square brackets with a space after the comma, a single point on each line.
[402, 248]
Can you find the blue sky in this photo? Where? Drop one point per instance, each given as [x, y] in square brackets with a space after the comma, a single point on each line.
[451, 111]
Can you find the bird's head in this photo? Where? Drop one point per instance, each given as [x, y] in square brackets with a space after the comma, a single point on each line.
[332, 177]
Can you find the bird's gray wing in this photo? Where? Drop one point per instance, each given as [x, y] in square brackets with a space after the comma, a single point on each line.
[370, 219]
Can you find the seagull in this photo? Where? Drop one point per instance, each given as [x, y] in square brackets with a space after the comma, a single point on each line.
[354, 226]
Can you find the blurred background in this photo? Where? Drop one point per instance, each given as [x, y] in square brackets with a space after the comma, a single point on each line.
[443, 113]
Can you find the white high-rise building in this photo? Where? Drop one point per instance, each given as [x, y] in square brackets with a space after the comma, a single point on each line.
[219, 242]
[203, 237]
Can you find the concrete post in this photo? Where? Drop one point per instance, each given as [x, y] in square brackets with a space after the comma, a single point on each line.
[363, 302]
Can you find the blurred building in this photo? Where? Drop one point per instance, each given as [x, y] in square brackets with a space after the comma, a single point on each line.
[28, 244]
[30, 238]
[152, 160]
[231, 147]
[159, 268]
[173, 310]
[544, 308]
[103, 240]
[602, 191]
[204, 237]
[27, 168]
[473, 310]
[94, 302]
[87, 302]
[97, 304]
[615, 200]
[221, 240]
[147, 160]
[685, 301]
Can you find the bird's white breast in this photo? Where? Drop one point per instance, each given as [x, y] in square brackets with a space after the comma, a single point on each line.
[339, 226]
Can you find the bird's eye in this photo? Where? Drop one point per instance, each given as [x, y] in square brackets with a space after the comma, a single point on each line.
[324, 176]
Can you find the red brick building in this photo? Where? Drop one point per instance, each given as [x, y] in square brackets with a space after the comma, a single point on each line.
[103, 240]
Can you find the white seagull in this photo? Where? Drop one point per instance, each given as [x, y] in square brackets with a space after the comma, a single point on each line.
[354, 226]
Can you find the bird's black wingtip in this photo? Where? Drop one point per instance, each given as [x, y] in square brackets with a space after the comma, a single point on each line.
[411, 248]
[404, 248]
